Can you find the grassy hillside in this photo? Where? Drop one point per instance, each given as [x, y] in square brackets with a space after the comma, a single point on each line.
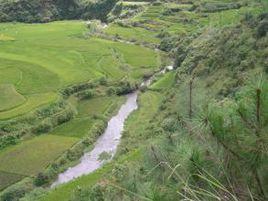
[31, 157]
[47, 57]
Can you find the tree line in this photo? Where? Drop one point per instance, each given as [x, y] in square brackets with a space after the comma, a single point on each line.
[36, 11]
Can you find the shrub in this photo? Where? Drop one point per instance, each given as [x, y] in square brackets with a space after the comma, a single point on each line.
[111, 91]
[41, 179]
[8, 140]
[117, 9]
[125, 87]
[170, 124]
[16, 191]
[87, 94]
[168, 43]
[262, 29]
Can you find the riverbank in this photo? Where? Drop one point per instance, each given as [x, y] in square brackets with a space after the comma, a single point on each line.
[106, 146]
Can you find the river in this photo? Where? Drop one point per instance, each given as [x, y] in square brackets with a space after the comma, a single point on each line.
[107, 143]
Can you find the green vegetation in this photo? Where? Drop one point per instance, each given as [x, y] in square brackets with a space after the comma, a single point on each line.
[196, 128]
[136, 125]
[9, 97]
[194, 125]
[45, 11]
[88, 112]
[5, 38]
[164, 82]
[74, 128]
[58, 55]
[32, 102]
[66, 190]
[132, 33]
[32, 156]
[95, 106]
[7, 179]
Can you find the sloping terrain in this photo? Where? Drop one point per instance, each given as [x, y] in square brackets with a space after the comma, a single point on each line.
[200, 132]
[197, 139]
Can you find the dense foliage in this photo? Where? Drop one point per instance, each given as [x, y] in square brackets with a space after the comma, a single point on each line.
[48, 10]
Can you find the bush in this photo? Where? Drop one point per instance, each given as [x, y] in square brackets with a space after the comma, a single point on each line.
[111, 91]
[262, 29]
[98, 10]
[168, 43]
[41, 179]
[87, 94]
[125, 87]
[117, 9]
[43, 127]
[16, 191]
[216, 7]
[170, 125]
[77, 88]
[8, 140]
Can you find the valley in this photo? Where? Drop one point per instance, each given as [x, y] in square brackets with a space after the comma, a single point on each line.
[64, 78]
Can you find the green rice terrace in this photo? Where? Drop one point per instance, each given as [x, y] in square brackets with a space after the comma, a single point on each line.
[137, 100]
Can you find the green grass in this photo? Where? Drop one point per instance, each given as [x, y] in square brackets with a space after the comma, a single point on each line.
[133, 33]
[136, 124]
[164, 82]
[33, 101]
[94, 106]
[27, 77]
[9, 98]
[87, 109]
[153, 17]
[6, 179]
[65, 191]
[61, 48]
[44, 58]
[229, 17]
[138, 3]
[6, 38]
[32, 156]
[179, 6]
[74, 128]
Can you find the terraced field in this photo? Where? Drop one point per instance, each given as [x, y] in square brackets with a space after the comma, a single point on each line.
[31, 157]
[164, 82]
[10, 97]
[7, 179]
[175, 19]
[38, 60]
[132, 33]
[43, 58]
